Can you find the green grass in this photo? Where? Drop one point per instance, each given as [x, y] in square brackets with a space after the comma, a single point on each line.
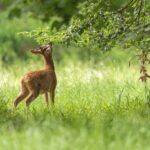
[97, 107]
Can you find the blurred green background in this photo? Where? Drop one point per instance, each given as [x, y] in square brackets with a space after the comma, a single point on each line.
[27, 15]
[100, 103]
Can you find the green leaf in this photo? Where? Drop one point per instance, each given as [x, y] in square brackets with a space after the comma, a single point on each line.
[15, 12]
[116, 4]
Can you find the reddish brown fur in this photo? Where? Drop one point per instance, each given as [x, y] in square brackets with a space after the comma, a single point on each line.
[39, 82]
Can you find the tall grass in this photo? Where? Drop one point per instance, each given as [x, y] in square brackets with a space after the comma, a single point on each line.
[97, 107]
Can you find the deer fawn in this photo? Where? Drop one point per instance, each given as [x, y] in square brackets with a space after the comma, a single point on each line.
[39, 82]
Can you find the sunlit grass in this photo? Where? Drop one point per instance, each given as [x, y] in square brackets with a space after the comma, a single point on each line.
[97, 107]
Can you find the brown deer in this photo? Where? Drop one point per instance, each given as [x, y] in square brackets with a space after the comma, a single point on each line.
[39, 82]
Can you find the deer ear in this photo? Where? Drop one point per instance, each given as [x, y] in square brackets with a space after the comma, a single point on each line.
[49, 43]
[48, 50]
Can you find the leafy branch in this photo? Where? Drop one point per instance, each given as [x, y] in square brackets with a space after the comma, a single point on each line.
[99, 24]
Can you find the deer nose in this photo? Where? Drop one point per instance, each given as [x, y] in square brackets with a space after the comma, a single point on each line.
[35, 51]
[32, 50]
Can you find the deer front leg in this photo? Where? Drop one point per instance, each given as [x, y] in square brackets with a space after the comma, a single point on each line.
[52, 96]
[52, 89]
[46, 99]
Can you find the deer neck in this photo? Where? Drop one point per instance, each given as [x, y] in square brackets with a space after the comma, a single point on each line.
[49, 64]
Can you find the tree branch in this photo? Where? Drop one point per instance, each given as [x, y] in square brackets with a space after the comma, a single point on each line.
[126, 6]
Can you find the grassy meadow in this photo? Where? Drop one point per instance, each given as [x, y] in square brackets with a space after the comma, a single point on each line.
[99, 105]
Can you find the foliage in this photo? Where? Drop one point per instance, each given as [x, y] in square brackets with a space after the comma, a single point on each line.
[103, 24]
[14, 46]
[44, 10]
[97, 107]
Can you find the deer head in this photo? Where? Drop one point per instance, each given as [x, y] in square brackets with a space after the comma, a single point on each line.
[45, 50]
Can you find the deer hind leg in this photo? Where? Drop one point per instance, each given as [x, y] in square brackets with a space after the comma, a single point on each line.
[34, 93]
[23, 94]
